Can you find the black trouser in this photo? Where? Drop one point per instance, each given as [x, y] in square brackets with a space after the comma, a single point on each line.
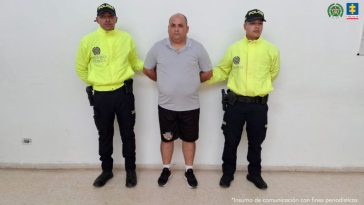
[255, 117]
[107, 105]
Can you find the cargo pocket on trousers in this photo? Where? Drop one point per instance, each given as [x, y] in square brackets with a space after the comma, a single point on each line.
[97, 118]
[132, 105]
[223, 124]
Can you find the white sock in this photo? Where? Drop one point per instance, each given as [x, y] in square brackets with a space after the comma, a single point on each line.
[167, 166]
[188, 167]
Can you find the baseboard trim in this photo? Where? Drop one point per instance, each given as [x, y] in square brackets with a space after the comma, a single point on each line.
[178, 167]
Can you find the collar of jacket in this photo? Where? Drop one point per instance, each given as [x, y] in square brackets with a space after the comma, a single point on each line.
[247, 41]
[102, 31]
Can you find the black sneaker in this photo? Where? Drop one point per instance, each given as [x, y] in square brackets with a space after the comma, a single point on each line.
[103, 178]
[257, 180]
[163, 179]
[131, 179]
[225, 180]
[191, 179]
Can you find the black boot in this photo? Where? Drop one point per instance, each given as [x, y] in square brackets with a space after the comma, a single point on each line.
[131, 179]
[226, 180]
[257, 180]
[103, 178]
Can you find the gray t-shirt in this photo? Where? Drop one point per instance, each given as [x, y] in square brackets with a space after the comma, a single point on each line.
[178, 73]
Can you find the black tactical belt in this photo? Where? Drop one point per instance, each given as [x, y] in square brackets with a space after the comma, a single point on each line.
[247, 99]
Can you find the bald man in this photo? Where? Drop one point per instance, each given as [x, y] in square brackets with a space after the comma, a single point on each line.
[178, 64]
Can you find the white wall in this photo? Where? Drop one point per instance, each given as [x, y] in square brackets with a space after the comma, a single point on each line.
[316, 114]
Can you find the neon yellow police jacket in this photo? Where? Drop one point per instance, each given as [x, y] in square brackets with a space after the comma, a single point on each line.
[105, 59]
[249, 66]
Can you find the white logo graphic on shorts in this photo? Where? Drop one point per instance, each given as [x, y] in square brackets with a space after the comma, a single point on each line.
[168, 135]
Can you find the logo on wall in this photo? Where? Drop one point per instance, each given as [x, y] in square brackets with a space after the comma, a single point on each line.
[335, 10]
[352, 11]
[96, 51]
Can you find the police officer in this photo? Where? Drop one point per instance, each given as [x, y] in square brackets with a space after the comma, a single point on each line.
[250, 66]
[106, 59]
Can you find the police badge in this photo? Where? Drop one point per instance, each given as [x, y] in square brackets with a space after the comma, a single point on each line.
[236, 60]
[96, 51]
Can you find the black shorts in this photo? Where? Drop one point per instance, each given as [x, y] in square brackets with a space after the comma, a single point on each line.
[178, 124]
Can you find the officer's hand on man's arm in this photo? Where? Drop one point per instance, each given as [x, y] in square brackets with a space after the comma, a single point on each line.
[151, 73]
[205, 75]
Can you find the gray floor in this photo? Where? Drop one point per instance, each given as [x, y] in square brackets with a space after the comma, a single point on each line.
[27, 186]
